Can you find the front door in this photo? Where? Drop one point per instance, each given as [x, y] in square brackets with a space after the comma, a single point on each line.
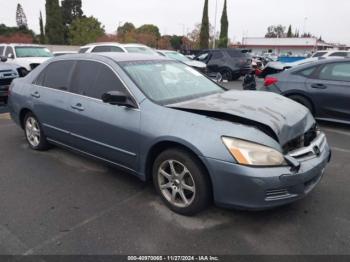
[107, 131]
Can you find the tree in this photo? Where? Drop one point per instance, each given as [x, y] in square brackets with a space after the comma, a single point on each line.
[149, 29]
[290, 32]
[85, 30]
[21, 18]
[275, 31]
[176, 42]
[223, 41]
[164, 42]
[126, 33]
[54, 22]
[204, 32]
[42, 39]
[71, 9]
[126, 28]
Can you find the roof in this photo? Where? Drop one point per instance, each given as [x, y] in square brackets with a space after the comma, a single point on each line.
[18, 44]
[262, 41]
[118, 57]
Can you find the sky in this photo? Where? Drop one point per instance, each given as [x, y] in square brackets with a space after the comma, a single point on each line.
[246, 17]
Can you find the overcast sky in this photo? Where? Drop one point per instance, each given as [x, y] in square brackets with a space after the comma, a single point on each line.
[247, 18]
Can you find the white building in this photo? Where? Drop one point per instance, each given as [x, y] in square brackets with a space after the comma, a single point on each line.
[283, 46]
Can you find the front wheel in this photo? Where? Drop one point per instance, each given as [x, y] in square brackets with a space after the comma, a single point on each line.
[34, 133]
[181, 181]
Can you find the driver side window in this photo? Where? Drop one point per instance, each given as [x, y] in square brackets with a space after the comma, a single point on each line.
[9, 52]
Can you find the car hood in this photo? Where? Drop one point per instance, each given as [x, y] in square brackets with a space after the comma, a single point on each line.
[197, 64]
[8, 66]
[268, 112]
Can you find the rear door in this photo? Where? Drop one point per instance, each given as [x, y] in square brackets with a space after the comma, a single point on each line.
[50, 97]
[216, 61]
[330, 90]
[107, 131]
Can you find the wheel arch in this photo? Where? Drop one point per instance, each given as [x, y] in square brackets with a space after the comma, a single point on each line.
[163, 145]
[22, 114]
[303, 95]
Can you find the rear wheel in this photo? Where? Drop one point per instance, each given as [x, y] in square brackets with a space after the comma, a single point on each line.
[181, 181]
[227, 74]
[304, 101]
[34, 133]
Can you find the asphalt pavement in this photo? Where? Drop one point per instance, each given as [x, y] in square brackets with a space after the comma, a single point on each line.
[58, 202]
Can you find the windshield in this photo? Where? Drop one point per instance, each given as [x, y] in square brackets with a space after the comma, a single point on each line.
[177, 56]
[141, 50]
[31, 51]
[167, 82]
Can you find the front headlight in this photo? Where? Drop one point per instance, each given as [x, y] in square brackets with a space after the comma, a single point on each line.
[252, 154]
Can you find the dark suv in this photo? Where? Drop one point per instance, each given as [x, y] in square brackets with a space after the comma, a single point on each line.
[231, 63]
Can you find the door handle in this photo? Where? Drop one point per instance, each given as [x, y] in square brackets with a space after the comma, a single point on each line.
[319, 86]
[78, 107]
[35, 94]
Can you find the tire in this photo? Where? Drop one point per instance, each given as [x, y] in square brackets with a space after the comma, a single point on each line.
[34, 133]
[303, 101]
[227, 74]
[188, 180]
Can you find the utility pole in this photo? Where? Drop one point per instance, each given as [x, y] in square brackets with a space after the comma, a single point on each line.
[216, 14]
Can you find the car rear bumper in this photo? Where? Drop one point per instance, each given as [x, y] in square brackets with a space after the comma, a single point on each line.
[237, 186]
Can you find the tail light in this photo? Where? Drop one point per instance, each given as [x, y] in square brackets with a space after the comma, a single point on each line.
[270, 81]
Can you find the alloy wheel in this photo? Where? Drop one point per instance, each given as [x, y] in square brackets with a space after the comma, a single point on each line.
[33, 131]
[176, 183]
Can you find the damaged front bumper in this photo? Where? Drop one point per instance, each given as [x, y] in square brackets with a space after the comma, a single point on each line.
[259, 188]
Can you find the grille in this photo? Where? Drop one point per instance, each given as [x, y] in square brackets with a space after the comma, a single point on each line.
[277, 194]
[301, 141]
[6, 81]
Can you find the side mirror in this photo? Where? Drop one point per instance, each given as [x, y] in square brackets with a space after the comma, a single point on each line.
[10, 56]
[3, 58]
[118, 98]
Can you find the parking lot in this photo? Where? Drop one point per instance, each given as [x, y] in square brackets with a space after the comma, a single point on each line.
[58, 202]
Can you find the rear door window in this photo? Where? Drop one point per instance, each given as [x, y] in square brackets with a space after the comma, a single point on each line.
[217, 55]
[57, 75]
[335, 72]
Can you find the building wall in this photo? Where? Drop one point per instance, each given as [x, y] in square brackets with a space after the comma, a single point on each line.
[295, 51]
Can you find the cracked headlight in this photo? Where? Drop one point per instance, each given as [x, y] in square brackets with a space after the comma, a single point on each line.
[252, 154]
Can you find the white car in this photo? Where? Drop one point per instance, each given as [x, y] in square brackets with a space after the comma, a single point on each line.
[60, 53]
[200, 66]
[116, 47]
[332, 53]
[27, 56]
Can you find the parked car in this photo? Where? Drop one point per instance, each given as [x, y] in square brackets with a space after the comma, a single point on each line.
[28, 56]
[193, 138]
[332, 53]
[200, 66]
[59, 53]
[8, 72]
[323, 87]
[116, 47]
[231, 63]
